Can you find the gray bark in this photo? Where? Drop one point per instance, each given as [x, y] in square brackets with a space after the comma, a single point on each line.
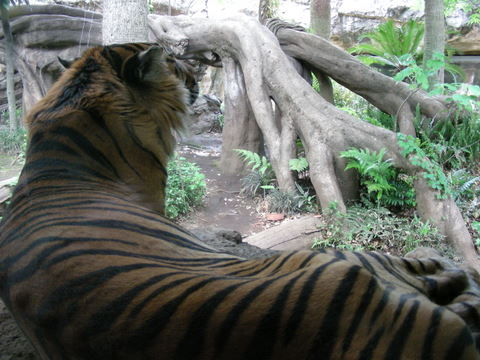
[10, 68]
[320, 20]
[324, 129]
[240, 130]
[125, 21]
[434, 36]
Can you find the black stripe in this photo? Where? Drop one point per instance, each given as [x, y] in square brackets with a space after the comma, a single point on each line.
[392, 270]
[233, 316]
[361, 311]
[266, 333]
[86, 146]
[365, 263]
[133, 136]
[307, 259]
[462, 341]
[48, 314]
[326, 336]
[431, 334]
[377, 313]
[51, 145]
[398, 311]
[280, 265]
[299, 312]
[397, 345]
[193, 341]
[255, 268]
[54, 166]
[104, 317]
[148, 332]
[368, 350]
[100, 121]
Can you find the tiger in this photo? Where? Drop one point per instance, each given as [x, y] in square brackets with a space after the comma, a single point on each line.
[90, 267]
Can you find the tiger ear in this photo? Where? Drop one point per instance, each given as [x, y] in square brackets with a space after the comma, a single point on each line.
[65, 63]
[140, 65]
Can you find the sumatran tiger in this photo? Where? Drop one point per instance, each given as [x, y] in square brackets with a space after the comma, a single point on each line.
[91, 269]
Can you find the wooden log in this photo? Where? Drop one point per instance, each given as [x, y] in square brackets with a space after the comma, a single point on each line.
[291, 234]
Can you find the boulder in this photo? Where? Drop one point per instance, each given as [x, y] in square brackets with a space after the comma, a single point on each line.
[205, 113]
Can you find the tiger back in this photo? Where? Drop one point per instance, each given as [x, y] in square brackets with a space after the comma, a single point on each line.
[90, 268]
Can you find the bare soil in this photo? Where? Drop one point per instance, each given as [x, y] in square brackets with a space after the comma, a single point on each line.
[224, 206]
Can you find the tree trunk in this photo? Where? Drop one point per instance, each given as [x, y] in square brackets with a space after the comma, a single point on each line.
[10, 67]
[240, 130]
[320, 20]
[124, 21]
[320, 24]
[434, 36]
[324, 129]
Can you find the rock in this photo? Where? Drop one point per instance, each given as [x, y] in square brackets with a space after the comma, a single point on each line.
[221, 240]
[206, 111]
[467, 44]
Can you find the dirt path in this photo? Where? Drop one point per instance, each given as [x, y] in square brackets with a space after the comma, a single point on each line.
[224, 207]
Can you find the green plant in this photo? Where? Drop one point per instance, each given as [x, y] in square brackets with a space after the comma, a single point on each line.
[185, 187]
[432, 171]
[218, 123]
[255, 161]
[388, 43]
[469, 7]
[375, 229]
[464, 185]
[299, 164]
[261, 175]
[357, 106]
[13, 142]
[381, 179]
[290, 202]
[254, 181]
[418, 75]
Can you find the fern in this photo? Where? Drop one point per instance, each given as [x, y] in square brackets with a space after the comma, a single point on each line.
[299, 164]
[389, 43]
[255, 161]
[262, 175]
[382, 181]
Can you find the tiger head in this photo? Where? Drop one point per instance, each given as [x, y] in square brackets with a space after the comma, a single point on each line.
[120, 103]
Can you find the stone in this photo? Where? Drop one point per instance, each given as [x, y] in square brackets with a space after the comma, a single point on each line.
[466, 44]
[205, 113]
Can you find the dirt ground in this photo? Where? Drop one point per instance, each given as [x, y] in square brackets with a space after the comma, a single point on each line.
[224, 208]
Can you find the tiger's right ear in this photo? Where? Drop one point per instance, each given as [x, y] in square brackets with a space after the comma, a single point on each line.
[65, 63]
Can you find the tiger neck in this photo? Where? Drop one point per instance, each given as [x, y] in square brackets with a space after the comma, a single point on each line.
[88, 149]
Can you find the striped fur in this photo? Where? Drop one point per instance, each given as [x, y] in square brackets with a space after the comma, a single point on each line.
[91, 270]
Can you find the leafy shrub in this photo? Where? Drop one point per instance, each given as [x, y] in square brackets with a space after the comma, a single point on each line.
[261, 176]
[13, 142]
[418, 75]
[388, 43]
[383, 182]
[363, 228]
[253, 182]
[433, 172]
[218, 123]
[298, 164]
[290, 203]
[357, 106]
[185, 187]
